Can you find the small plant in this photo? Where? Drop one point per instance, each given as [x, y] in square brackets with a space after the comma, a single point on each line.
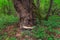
[50, 38]
[39, 32]
[10, 38]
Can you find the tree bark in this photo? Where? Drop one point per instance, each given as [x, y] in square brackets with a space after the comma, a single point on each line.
[23, 8]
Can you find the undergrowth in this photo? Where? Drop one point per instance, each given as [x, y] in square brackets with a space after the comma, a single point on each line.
[6, 20]
[47, 31]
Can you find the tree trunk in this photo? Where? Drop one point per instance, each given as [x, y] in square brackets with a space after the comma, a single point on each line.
[49, 10]
[23, 8]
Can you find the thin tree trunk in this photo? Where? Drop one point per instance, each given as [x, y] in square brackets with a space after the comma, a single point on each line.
[38, 3]
[49, 10]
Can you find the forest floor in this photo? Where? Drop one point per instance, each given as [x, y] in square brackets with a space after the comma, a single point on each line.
[15, 32]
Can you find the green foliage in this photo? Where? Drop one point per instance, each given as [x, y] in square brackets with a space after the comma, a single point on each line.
[6, 7]
[6, 20]
[50, 38]
[39, 32]
[12, 38]
[52, 24]
[7, 38]
[44, 6]
[55, 18]
[53, 21]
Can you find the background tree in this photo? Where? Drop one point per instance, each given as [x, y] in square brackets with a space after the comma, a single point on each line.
[49, 10]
